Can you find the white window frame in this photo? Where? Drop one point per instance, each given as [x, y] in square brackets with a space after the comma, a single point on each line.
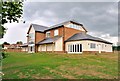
[56, 32]
[92, 45]
[47, 34]
[70, 48]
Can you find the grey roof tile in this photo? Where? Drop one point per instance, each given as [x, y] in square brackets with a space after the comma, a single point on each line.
[63, 23]
[39, 27]
[49, 40]
[84, 36]
[24, 45]
[44, 28]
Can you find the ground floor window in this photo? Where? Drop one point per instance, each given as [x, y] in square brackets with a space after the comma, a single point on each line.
[75, 48]
[92, 45]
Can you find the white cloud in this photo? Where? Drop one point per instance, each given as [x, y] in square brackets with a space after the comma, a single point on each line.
[49, 13]
[113, 9]
[98, 18]
[105, 36]
[15, 32]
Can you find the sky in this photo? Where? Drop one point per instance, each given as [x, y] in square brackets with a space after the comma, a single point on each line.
[99, 18]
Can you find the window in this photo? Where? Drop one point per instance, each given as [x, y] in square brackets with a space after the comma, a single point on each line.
[78, 48]
[71, 48]
[48, 34]
[31, 35]
[31, 38]
[105, 45]
[92, 45]
[75, 26]
[55, 32]
[75, 48]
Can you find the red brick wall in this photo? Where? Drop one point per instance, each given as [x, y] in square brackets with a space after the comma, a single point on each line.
[70, 32]
[51, 33]
[39, 36]
[60, 32]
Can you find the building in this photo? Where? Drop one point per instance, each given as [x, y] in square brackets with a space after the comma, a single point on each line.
[66, 37]
[12, 48]
[24, 47]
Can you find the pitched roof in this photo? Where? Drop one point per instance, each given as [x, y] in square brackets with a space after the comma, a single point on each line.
[63, 23]
[24, 45]
[39, 27]
[49, 40]
[84, 36]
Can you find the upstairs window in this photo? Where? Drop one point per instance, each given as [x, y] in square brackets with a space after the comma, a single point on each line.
[31, 38]
[55, 32]
[92, 45]
[75, 26]
[48, 34]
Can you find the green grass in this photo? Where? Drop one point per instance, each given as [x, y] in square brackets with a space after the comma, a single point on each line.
[60, 66]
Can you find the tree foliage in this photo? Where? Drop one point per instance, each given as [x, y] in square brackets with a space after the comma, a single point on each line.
[19, 42]
[6, 43]
[116, 48]
[11, 12]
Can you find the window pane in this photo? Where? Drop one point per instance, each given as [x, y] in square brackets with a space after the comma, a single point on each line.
[73, 48]
[47, 34]
[55, 32]
[92, 45]
[70, 48]
[78, 48]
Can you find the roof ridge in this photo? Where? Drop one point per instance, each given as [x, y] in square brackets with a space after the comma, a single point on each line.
[39, 25]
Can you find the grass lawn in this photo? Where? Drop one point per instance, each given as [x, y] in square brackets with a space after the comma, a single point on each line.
[60, 66]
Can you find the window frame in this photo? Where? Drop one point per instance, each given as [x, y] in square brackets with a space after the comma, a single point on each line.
[48, 34]
[92, 45]
[56, 32]
[75, 48]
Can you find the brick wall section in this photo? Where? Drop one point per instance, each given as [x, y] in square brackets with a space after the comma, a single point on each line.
[51, 33]
[39, 36]
[60, 32]
[69, 32]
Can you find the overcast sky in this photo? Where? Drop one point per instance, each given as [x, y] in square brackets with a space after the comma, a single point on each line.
[99, 18]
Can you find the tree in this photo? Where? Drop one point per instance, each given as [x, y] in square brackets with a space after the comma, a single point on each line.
[19, 42]
[6, 43]
[11, 12]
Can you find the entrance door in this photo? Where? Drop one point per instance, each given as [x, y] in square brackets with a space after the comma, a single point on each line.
[31, 49]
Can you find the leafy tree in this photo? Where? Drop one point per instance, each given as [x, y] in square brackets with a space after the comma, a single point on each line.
[116, 48]
[11, 11]
[19, 42]
[6, 43]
